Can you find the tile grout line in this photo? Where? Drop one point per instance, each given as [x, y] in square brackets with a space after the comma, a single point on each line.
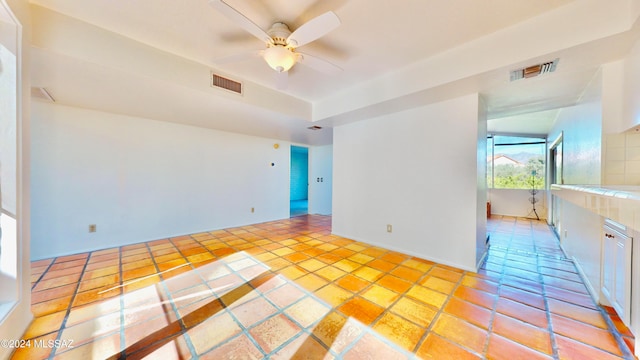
[511, 249]
[123, 353]
[245, 330]
[163, 284]
[371, 283]
[552, 339]
[552, 334]
[279, 312]
[541, 279]
[429, 328]
[69, 307]
[307, 294]
[545, 297]
[496, 299]
[352, 344]
[626, 352]
[415, 283]
[400, 294]
[123, 342]
[368, 330]
[361, 291]
[43, 273]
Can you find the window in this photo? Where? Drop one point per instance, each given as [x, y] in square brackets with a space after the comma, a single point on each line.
[515, 162]
[489, 162]
[9, 161]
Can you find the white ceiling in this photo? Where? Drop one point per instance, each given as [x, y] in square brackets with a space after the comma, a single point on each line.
[152, 58]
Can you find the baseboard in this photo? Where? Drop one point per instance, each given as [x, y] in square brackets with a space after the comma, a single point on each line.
[412, 253]
[595, 295]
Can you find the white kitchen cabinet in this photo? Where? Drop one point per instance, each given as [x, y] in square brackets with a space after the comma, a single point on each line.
[616, 268]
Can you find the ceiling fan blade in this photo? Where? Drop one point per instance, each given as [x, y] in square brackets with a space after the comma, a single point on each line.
[243, 56]
[318, 64]
[241, 20]
[313, 29]
[282, 80]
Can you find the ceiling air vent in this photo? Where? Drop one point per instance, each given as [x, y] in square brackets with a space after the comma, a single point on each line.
[534, 70]
[42, 94]
[227, 84]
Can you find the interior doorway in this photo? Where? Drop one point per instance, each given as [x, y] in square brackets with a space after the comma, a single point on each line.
[299, 181]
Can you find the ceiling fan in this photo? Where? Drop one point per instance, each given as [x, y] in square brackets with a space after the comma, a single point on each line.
[281, 44]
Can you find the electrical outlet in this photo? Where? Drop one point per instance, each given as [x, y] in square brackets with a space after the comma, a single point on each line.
[389, 228]
[93, 228]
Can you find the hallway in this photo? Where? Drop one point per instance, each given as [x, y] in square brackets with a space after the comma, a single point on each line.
[288, 288]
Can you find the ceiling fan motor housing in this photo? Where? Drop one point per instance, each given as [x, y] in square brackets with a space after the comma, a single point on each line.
[281, 43]
[279, 32]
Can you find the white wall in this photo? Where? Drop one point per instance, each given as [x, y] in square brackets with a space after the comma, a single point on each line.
[580, 238]
[614, 102]
[515, 202]
[613, 97]
[581, 129]
[632, 88]
[596, 151]
[418, 171]
[140, 179]
[581, 126]
[320, 166]
[621, 112]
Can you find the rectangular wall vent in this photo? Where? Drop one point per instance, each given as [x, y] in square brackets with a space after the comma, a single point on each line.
[42, 94]
[225, 83]
[533, 70]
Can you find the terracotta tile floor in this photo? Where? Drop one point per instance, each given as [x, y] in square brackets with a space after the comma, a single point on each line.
[289, 289]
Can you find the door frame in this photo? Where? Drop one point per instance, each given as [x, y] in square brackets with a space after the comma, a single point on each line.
[291, 151]
[556, 176]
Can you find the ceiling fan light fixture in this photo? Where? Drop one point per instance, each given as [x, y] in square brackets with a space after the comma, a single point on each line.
[279, 58]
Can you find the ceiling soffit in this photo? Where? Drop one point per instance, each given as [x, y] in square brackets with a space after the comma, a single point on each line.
[448, 73]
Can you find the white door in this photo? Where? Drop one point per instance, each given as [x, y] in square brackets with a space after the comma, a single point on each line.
[616, 271]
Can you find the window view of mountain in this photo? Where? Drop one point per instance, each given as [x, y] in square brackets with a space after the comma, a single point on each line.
[515, 162]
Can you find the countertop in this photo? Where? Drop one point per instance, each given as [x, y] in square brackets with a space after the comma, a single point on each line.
[620, 203]
[618, 191]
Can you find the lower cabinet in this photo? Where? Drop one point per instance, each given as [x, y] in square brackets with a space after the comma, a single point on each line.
[616, 269]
